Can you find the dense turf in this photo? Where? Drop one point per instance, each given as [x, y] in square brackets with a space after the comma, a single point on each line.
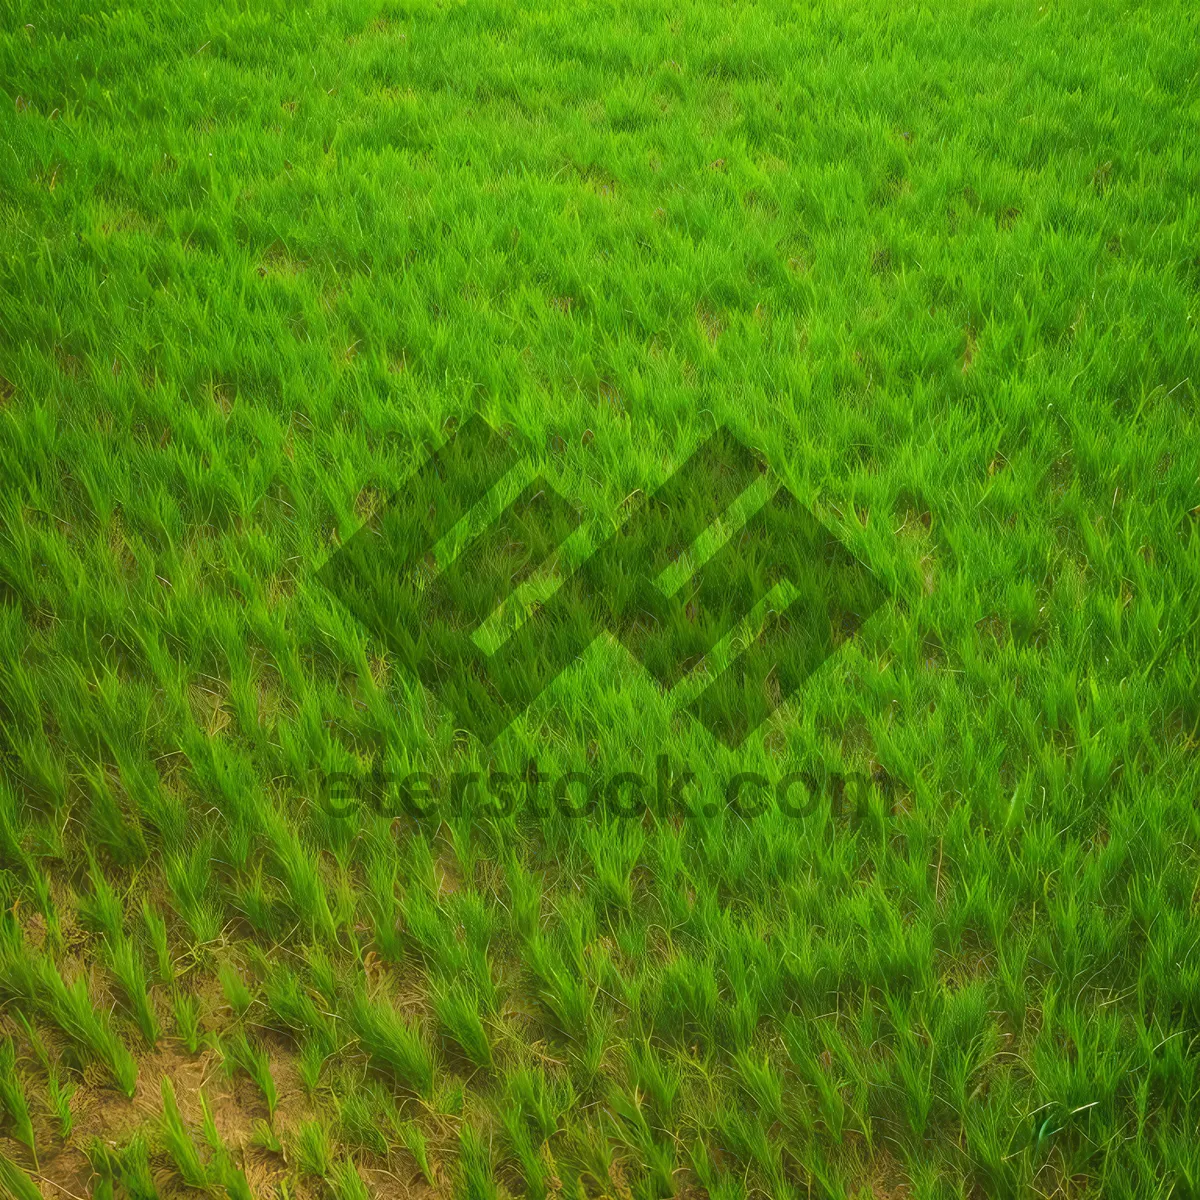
[939, 264]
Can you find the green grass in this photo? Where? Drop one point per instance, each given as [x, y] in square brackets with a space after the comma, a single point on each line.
[939, 264]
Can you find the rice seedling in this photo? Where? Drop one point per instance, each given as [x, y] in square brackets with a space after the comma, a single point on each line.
[346, 1183]
[77, 1016]
[310, 1062]
[244, 1055]
[237, 994]
[458, 1010]
[632, 1128]
[413, 1139]
[12, 1096]
[477, 1180]
[266, 1137]
[156, 932]
[568, 996]
[222, 1167]
[187, 1019]
[58, 1092]
[59, 1096]
[313, 1149]
[529, 1158]
[48, 909]
[393, 1041]
[657, 1078]
[16, 1182]
[189, 876]
[35, 982]
[542, 1101]
[124, 960]
[301, 878]
[125, 1168]
[178, 1141]
[103, 909]
[292, 1007]
[365, 1113]
[381, 901]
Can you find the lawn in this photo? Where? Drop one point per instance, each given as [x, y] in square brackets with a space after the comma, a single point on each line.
[288, 911]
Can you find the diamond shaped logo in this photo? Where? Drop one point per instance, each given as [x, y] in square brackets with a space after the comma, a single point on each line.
[490, 630]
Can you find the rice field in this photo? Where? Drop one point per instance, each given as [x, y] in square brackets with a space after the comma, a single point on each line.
[295, 904]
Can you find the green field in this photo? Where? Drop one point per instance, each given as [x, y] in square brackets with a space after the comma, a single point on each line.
[937, 264]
